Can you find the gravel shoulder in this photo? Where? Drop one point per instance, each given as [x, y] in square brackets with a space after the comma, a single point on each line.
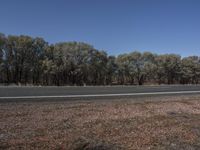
[168, 122]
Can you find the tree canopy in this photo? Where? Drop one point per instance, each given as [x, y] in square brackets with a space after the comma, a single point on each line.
[27, 60]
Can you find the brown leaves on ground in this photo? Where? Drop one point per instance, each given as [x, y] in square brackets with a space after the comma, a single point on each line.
[140, 123]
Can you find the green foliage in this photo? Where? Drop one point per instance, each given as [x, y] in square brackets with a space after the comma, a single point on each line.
[27, 60]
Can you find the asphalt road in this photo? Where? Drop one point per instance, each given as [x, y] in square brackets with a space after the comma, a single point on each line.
[7, 93]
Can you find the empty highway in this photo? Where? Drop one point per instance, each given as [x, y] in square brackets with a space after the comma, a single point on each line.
[17, 93]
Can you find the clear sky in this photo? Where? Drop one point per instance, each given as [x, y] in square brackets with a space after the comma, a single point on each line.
[117, 26]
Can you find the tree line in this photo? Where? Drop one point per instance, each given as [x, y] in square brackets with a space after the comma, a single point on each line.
[27, 60]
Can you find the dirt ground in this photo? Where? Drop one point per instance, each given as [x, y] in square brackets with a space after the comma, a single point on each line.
[138, 123]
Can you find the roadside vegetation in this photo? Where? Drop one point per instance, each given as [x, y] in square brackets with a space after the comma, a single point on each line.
[157, 123]
[27, 60]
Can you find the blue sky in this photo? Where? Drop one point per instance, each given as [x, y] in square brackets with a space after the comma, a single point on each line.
[117, 26]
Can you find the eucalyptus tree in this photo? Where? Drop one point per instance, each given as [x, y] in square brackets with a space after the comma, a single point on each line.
[190, 67]
[48, 66]
[3, 41]
[168, 68]
[149, 67]
[136, 66]
[98, 67]
[124, 72]
[18, 53]
[142, 65]
[111, 70]
[9, 59]
[36, 57]
[74, 65]
[2, 44]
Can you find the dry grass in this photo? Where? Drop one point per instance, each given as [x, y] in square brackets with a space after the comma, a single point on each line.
[142, 123]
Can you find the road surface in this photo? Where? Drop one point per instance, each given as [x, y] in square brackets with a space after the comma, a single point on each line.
[26, 93]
